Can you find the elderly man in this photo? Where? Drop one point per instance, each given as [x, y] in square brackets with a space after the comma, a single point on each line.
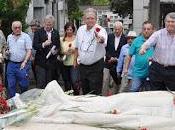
[20, 48]
[91, 41]
[114, 44]
[46, 42]
[126, 79]
[141, 64]
[162, 69]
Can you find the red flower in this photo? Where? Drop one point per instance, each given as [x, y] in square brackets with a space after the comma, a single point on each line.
[70, 45]
[97, 29]
[4, 108]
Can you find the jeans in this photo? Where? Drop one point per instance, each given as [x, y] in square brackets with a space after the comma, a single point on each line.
[71, 79]
[14, 75]
[136, 84]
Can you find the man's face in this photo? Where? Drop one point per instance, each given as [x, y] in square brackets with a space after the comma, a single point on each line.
[17, 28]
[170, 25]
[147, 30]
[34, 28]
[90, 20]
[48, 25]
[118, 30]
[130, 40]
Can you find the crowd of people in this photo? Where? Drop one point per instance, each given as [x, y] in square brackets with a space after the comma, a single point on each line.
[89, 59]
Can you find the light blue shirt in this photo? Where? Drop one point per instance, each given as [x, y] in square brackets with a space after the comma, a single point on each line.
[121, 61]
[88, 49]
[18, 46]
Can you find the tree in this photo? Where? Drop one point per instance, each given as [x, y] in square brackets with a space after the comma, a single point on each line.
[13, 10]
[123, 7]
[74, 12]
[94, 2]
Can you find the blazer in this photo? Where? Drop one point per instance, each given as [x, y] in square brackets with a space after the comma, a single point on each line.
[40, 36]
[110, 48]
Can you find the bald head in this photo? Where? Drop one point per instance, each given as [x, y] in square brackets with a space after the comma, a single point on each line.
[118, 28]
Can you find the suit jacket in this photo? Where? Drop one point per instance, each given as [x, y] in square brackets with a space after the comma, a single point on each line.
[40, 57]
[110, 48]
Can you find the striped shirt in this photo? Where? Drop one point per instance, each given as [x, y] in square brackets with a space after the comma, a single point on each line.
[164, 44]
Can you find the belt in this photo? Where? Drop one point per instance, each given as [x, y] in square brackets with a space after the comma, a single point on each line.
[93, 63]
[15, 62]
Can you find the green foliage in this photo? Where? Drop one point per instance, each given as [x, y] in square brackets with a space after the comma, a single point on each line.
[74, 12]
[94, 2]
[123, 7]
[13, 10]
[101, 2]
[86, 2]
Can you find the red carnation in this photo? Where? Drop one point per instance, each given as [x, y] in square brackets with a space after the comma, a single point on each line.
[70, 45]
[4, 108]
[97, 29]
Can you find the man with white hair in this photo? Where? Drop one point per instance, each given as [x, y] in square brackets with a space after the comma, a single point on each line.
[126, 79]
[46, 42]
[90, 46]
[114, 44]
[162, 69]
[20, 49]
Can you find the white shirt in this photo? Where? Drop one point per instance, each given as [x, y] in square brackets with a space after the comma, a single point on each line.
[117, 40]
[88, 49]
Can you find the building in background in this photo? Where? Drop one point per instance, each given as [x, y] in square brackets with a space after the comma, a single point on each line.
[38, 9]
[107, 19]
[154, 10]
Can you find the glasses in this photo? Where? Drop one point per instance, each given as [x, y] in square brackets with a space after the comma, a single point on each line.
[19, 27]
[130, 38]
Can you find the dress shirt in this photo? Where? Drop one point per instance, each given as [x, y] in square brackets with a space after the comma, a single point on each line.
[117, 40]
[164, 44]
[88, 49]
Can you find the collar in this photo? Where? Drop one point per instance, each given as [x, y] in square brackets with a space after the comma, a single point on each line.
[49, 31]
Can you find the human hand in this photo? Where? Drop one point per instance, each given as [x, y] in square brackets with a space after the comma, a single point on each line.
[75, 63]
[47, 43]
[23, 64]
[69, 51]
[142, 51]
[125, 72]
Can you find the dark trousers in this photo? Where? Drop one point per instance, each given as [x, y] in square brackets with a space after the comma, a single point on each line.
[46, 75]
[162, 77]
[113, 73]
[91, 77]
[71, 79]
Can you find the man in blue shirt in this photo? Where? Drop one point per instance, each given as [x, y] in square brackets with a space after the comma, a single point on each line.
[20, 49]
[126, 79]
[140, 69]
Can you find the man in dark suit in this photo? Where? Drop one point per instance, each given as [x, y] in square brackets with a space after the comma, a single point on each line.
[114, 44]
[46, 42]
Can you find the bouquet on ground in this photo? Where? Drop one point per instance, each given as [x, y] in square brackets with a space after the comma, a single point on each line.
[4, 107]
